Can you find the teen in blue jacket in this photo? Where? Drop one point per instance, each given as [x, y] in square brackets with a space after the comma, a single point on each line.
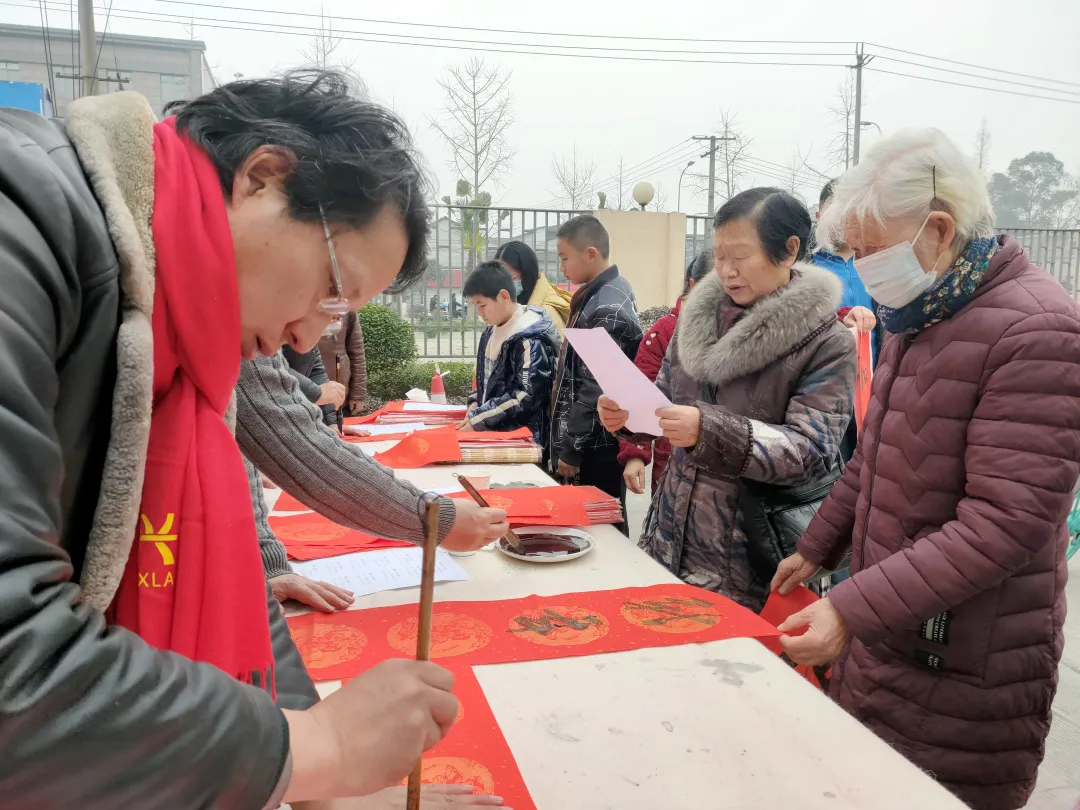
[515, 360]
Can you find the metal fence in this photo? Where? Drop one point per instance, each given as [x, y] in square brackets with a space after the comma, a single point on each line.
[446, 326]
[1057, 251]
[444, 323]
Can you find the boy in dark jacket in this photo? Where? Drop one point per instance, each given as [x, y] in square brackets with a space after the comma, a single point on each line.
[580, 447]
[515, 361]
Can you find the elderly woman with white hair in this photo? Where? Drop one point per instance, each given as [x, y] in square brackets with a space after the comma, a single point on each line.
[948, 634]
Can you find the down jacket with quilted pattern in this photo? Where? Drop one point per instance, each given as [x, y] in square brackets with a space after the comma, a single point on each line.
[955, 505]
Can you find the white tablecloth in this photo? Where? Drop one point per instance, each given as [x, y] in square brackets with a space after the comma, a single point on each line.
[710, 726]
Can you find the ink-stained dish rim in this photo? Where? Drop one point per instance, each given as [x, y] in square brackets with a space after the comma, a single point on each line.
[585, 540]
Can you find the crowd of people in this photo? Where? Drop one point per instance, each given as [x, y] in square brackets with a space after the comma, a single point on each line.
[149, 662]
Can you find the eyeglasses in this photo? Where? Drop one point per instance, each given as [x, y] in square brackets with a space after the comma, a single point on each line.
[337, 306]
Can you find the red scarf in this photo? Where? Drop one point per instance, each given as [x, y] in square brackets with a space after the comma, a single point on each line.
[194, 581]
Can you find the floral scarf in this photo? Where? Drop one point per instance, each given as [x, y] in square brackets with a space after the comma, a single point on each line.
[949, 294]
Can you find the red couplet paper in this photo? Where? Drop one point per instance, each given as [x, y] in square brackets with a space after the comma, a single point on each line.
[464, 437]
[343, 645]
[313, 537]
[422, 447]
[487, 436]
[475, 752]
[543, 506]
[777, 610]
[863, 375]
[287, 503]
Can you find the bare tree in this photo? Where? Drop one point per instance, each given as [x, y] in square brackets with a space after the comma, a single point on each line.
[842, 114]
[479, 110]
[794, 178]
[983, 141]
[321, 50]
[623, 187]
[575, 180]
[659, 200]
[731, 157]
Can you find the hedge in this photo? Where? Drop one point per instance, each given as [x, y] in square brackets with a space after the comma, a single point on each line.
[388, 340]
[393, 383]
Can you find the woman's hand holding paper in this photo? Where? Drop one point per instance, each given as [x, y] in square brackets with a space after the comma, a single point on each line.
[612, 417]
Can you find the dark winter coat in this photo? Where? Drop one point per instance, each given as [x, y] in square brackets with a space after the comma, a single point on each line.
[606, 302]
[775, 386]
[344, 362]
[955, 505]
[519, 391]
[650, 358]
[92, 716]
[310, 374]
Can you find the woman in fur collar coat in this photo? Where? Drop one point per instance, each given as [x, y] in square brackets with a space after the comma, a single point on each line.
[761, 374]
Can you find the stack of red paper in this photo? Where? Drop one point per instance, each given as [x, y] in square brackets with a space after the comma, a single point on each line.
[312, 537]
[553, 506]
[402, 412]
[446, 445]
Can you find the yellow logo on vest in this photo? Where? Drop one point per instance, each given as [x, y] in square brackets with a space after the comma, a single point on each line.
[161, 538]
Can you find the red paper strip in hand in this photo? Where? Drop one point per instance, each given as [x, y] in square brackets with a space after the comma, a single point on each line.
[777, 610]
[863, 375]
[421, 448]
[535, 628]
[313, 537]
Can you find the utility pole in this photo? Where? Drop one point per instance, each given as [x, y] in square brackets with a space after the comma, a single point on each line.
[87, 46]
[861, 60]
[86, 72]
[712, 139]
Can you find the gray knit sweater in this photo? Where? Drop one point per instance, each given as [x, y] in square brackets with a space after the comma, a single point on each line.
[282, 434]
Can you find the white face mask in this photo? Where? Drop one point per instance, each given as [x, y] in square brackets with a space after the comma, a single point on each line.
[894, 277]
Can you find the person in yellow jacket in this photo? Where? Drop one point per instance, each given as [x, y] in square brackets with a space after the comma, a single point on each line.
[531, 285]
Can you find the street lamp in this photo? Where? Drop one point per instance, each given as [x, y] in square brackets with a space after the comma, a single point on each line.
[643, 194]
[866, 124]
[678, 203]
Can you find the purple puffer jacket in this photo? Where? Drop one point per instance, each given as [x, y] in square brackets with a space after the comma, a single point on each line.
[955, 503]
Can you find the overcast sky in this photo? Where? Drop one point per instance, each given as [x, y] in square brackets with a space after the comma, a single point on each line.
[639, 109]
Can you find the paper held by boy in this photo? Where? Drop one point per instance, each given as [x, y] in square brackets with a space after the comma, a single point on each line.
[620, 379]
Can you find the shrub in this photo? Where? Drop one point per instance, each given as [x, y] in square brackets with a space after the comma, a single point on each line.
[393, 383]
[388, 340]
[646, 317]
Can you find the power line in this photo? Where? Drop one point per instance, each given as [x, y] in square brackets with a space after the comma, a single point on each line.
[450, 43]
[574, 51]
[45, 44]
[682, 145]
[650, 168]
[640, 171]
[612, 183]
[977, 76]
[970, 65]
[101, 45]
[770, 169]
[973, 86]
[404, 23]
[594, 38]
